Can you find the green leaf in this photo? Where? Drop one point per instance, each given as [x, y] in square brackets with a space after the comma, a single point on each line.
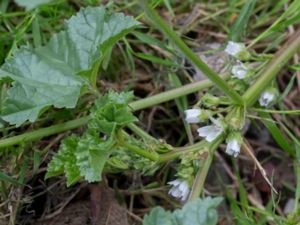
[276, 133]
[155, 59]
[91, 156]
[31, 4]
[6, 178]
[86, 156]
[290, 16]
[237, 31]
[158, 216]
[65, 161]
[198, 212]
[54, 74]
[111, 111]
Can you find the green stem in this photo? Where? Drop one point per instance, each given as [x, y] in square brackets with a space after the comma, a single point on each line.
[94, 73]
[43, 132]
[200, 146]
[273, 67]
[189, 54]
[142, 152]
[202, 172]
[141, 133]
[293, 112]
[171, 94]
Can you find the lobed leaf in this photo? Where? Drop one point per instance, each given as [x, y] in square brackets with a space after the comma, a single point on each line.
[111, 111]
[91, 156]
[65, 161]
[158, 216]
[53, 75]
[31, 4]
[198, 212]
[86, 156]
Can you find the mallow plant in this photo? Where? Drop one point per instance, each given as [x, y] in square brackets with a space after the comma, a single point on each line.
[60, 72]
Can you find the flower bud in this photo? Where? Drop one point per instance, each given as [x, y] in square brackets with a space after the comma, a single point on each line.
[268, 97]
[238, 85]
[180, 189]
[209, 100]
[234, 141]
[236, 119]
[239, 70]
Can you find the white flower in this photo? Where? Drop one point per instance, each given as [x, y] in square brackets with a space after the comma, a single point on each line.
[233, 147]
[235, 48]
[192, 115]
[239, 70]
[266, 98]
[211, 132]
[180, 189]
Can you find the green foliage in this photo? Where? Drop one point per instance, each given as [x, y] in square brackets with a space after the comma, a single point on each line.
[198, 212]
[86, 156]
[65, 161]
[6, 178]
[53, 75]
[91, 155]
[158, 216]
[31, 4]
[237, 31]
[290, 16]
[111, 111]
[277, 133]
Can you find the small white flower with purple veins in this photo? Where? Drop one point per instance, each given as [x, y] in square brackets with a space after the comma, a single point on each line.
[233, 148]
[211, 132]
[237, 50]
[192, 115]
[239, 70]
[180, 189]
[234, 48]
[266, 98]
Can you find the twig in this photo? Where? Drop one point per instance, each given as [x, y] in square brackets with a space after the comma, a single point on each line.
[248, 149]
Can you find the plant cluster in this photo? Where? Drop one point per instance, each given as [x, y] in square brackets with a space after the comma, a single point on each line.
[59, 73]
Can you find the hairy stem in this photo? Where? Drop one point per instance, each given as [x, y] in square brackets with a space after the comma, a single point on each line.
[172, 94]
[202, 172]
[43, 132]
[141, 133]
[200, 146]
[142, 152]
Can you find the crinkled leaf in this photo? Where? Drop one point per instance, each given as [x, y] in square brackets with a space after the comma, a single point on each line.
[31, 4]
[91, 156]
[158, 216]
[81, 157]
[65, 161]
[110, 111]
[122, 98]
[50, 75]
[198, 212]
